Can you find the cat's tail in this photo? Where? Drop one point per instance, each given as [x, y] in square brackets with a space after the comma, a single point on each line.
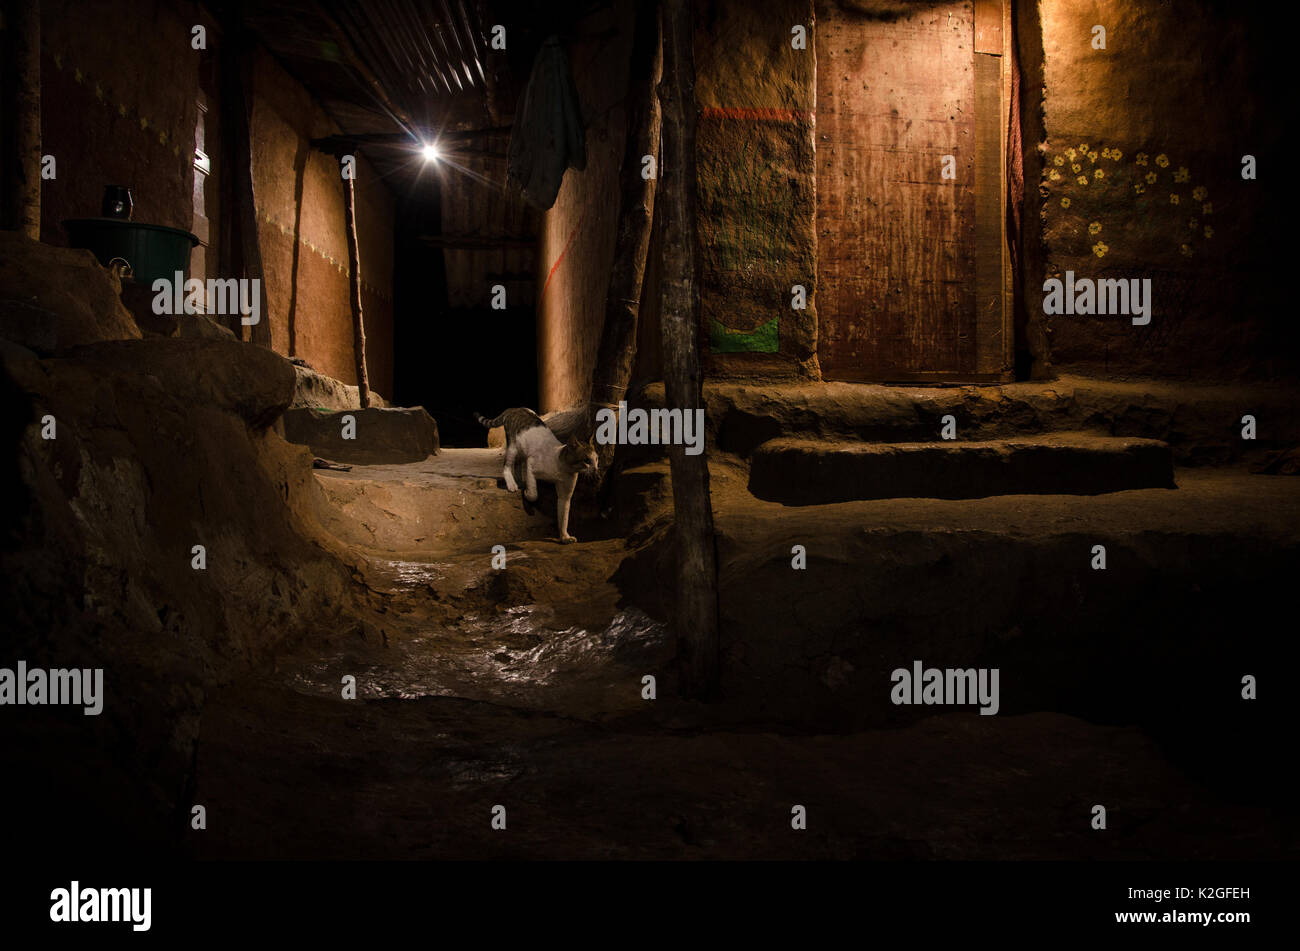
[490, 423]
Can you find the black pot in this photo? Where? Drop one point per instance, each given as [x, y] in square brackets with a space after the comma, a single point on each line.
[117, 202]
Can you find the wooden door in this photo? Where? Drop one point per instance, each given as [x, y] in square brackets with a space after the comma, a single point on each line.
[910, 263]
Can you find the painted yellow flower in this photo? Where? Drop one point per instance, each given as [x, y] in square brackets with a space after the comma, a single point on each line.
[1151, 178]
[1209, 232]
[1100, 249]
[1173, 199]
[1192, 223]
[1082, 179]
[1139, 188]
[1162, 160]
[1059, 160]
[1105, 153]
[1207, 208]
[1141, 158]
[1182, 175]
[1076, 168]
[1054, 175]
[1116, 155]
[1094, 227]
[1071, 153]
[1084, 148]
[1185, 250]
[1199, 193]
[1092, 156]
[1065, 202]
[1098, 173]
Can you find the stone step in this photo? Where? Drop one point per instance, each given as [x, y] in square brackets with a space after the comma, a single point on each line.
[799, 471]
[380, 435]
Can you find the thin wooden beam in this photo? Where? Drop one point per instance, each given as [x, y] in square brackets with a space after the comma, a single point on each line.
[696, 614]
[354, 280]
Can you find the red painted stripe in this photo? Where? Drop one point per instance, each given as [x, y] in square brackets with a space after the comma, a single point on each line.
[568, 244]
[760, 115]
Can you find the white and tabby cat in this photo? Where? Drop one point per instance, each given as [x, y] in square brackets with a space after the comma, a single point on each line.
[543, 457]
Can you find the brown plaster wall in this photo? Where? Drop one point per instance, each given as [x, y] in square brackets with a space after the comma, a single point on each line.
[756, 179]
[308, 298]
[576, 247]
[121, 87]
[1166, 111]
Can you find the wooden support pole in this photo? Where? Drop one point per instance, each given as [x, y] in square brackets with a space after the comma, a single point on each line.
[696, 615]
[354, 281]
[20, 56]
[238, 70]
[636, 214]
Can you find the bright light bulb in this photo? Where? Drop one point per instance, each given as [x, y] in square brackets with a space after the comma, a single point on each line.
[431, 153]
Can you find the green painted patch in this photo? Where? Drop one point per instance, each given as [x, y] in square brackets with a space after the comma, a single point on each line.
[763, 339]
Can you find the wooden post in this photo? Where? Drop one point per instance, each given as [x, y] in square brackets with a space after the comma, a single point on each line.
[354, 281]
[696, 614]
[238, 68]
[21, 131]
[636, 214]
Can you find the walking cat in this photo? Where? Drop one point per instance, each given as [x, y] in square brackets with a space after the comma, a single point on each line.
[544, 457]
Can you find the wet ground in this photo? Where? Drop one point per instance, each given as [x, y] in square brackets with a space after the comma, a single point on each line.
[523, 688]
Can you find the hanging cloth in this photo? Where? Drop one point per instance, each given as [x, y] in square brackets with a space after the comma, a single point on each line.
[548, 134]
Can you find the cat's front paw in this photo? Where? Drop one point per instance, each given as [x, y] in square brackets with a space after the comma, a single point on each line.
[567, 539]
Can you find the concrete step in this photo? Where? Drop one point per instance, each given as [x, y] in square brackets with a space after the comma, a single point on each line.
[799, 471]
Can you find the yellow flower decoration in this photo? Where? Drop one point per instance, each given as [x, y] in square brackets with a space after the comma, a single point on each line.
[1082, 179]
[1065, 202]
[1094, 228]
[1100, 249]
[1209, 232]
[1173, 199]
[1207, 208]
[1098, 173]
[144, 123]
[1076, 168]
[1084, 148]
[1071, 153]
[1139, 188]
[1054, 175]
[1116, 155]
[1105, 153]
[1151, 178]
[1199, 193]
[1182, 175]
[1185, 250]
[1192, 223]
[1141, 158]
[121, 109]
[1059, 160]
[1092, 156]
[1162, 160]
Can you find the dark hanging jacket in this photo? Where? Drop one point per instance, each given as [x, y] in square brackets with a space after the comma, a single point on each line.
[548, 134]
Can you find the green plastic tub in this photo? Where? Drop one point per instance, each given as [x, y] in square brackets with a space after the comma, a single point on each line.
[152, 251]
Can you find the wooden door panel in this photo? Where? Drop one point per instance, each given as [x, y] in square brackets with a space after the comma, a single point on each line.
[896, 242]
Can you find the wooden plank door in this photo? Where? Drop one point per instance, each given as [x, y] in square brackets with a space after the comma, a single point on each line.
[899, 251]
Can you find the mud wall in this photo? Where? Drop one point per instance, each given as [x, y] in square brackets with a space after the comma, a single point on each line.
[304, 241]
[1141, 177]
[576, 248]
[121, 87]
[756, 177]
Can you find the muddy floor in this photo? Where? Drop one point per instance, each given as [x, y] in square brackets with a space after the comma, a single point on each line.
[523, 688]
